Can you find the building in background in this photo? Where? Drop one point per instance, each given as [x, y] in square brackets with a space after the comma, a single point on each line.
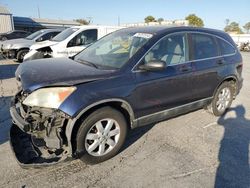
[34, 24]
[6, 20]
[164, 22]
[240, 38]
[9, 22]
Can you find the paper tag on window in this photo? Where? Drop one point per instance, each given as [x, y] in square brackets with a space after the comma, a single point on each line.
[143, 35]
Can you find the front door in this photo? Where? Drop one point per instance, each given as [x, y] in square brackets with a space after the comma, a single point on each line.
[160, 90]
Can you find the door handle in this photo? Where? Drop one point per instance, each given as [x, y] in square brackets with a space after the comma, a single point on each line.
[221, 61]
[185, 69]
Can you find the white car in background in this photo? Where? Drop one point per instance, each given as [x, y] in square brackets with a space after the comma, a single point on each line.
[69, 42]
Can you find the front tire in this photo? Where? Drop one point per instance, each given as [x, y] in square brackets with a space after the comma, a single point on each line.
[20, 55]
[4, 38]
[222, 99]
[101, 135]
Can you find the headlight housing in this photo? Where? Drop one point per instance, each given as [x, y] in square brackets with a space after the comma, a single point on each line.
[48, 97]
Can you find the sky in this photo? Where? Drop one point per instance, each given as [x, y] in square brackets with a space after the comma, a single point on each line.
[213, 12]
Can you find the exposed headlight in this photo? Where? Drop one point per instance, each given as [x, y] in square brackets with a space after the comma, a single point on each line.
[49, 97]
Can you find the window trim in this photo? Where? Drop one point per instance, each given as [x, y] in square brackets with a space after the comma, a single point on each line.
[220, 49]
[189, 49]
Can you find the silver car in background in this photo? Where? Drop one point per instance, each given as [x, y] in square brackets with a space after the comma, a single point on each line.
[17, 48]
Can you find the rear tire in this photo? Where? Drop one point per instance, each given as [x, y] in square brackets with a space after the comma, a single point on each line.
[20, 55]
[101, 135]
[222, 99]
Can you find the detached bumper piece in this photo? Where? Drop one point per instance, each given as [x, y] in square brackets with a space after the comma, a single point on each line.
[26, 153]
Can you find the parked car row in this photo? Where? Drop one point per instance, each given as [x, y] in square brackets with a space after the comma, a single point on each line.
[83, 106]
[54, 42]
[69, 42]
[18, 48]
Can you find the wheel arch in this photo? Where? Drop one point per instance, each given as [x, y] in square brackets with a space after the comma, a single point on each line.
[230, 78]
[121, 105]
[23, 48]
[20, 49]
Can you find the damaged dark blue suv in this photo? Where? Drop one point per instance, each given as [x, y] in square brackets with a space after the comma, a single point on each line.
[84, 106]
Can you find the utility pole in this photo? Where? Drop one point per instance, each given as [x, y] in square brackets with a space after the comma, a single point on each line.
[38, 11]
[90, 19]
[118, 21]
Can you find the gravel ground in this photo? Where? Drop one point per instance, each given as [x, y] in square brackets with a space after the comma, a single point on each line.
[193, 150]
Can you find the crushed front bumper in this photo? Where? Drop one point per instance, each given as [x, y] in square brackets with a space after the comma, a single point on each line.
[26, 153]
[29, 150]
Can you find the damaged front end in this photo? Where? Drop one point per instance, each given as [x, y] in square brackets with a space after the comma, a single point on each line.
[38, 135]
[45, 52]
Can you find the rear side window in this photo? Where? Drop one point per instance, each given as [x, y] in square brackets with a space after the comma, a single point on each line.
[204, 46]
[225, 47]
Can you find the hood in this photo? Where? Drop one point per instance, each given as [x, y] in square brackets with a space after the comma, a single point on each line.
[43, 44]
[57, 72]
[17, 42]
[14, 41]
[3, 34]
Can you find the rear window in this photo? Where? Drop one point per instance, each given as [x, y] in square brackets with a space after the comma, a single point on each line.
[204, 46]
[225, 47]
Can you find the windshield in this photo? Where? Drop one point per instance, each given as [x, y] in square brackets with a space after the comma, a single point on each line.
[64, 34]
[34, 35]
[114, 50]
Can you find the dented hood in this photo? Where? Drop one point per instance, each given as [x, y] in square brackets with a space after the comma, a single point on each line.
[43, 44]
[57, 72]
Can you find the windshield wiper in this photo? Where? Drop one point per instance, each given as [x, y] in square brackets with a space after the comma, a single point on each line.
[87, 63]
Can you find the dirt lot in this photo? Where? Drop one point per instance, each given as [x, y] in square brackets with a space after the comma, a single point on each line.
[194, 150]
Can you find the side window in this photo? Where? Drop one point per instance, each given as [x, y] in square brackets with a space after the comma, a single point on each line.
[47, 36]
[225, 47]
[204, 46]
[171, 49]
[84, 38]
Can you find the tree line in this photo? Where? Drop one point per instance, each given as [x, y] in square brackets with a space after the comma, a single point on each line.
[198, 22]
[193, 20]
[235, 27]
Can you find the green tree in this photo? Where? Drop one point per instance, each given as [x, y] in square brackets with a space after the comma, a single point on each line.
[195, 20]
[149, 19]
[82, 21]
[233, 27]
[160, 20]
[247, 27]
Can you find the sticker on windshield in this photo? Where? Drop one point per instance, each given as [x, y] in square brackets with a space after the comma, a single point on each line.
[143, 35]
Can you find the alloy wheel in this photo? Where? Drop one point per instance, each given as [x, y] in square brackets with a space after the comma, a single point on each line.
[102, 137]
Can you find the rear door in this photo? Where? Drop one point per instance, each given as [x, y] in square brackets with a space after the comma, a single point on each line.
[207, 63]
[172, 87]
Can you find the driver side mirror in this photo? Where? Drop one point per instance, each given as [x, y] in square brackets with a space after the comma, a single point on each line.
[153, 65]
